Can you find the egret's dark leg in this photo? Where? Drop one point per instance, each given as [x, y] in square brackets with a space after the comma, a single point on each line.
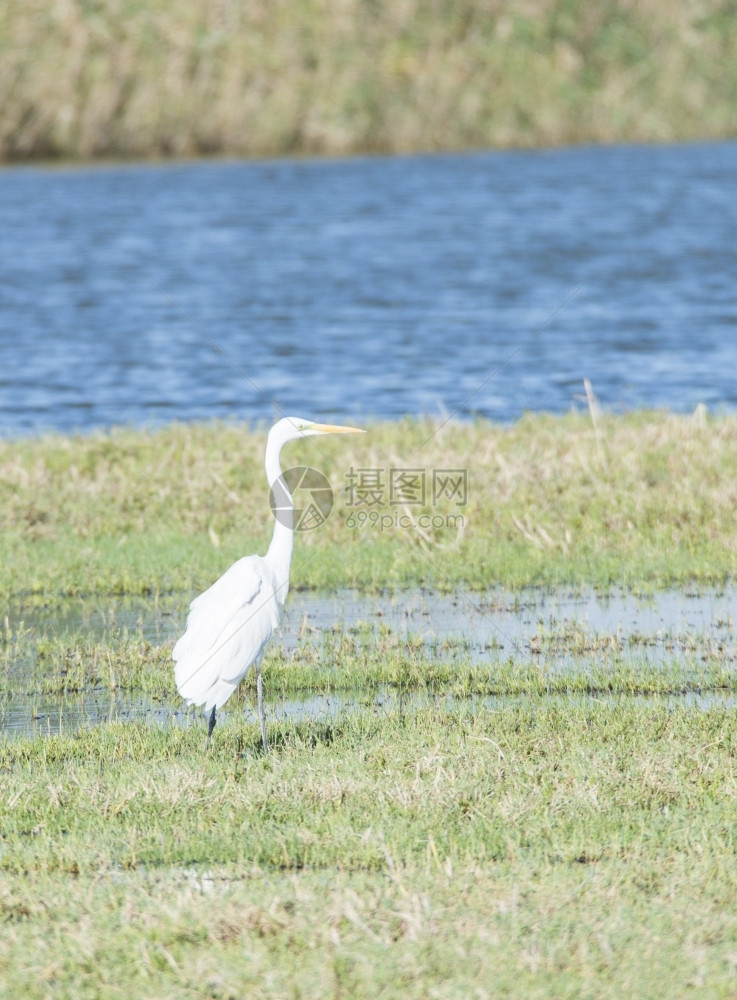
[210, 726]
[261, 714]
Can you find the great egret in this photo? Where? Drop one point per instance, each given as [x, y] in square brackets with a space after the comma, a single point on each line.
[229, 625]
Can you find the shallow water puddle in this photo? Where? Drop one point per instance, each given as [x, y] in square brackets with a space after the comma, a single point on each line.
[563, 629]
[510, 622]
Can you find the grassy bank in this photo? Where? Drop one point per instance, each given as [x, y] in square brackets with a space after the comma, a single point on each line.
[644, 500]
[142, 79]
[550, 851]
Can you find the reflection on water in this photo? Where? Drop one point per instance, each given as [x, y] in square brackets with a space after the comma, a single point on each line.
[561, 629]
[368, 287]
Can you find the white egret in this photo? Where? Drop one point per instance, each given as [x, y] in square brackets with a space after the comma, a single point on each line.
[229, 625]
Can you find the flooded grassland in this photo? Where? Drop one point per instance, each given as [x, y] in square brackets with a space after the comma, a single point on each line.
[502, 756]
[89, 662]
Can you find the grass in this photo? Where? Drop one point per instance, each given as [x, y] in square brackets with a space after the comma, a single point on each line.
[643, 500]
[580, 850]
[563, 826]
[572, 661]
[124, 78]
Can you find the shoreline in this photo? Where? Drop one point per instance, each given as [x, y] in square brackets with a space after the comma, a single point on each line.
[226, 159]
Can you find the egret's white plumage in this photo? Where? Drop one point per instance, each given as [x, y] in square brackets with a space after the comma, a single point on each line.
[227, 629]
[231, 622]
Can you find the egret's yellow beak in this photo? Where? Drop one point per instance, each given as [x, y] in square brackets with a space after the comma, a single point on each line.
[336, 429]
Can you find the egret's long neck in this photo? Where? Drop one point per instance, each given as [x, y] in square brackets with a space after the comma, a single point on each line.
[279, 555]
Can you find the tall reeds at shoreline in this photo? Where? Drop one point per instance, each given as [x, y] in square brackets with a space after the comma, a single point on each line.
[124, 78]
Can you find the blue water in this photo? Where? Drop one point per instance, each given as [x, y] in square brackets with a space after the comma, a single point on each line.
[368, 288]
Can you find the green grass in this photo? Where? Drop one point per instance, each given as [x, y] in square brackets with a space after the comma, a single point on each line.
[562, 827]
[644, 500]
[544, 850]
[161, 78]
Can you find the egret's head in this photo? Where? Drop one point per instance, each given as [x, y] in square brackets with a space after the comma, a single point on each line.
[290, 428]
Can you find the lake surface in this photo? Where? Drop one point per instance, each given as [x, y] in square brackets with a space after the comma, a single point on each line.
[488, 283]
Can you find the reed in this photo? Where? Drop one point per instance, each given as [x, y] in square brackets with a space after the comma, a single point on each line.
[127, 78]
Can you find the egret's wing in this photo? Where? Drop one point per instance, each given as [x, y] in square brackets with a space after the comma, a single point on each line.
[211, 611]
[227, 629]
